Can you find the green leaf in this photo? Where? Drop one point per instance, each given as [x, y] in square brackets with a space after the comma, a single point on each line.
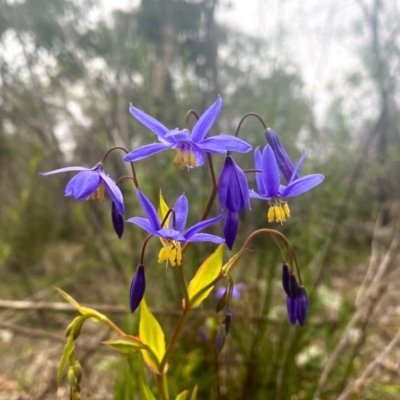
[152, 335]
[145, 390]
[194, 393]
[232, 261]
[183, 395]
[89, 312]
[125, 344]
[205, 275]
[68, 350]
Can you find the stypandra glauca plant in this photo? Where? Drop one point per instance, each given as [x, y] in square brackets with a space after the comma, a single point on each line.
[169, 225]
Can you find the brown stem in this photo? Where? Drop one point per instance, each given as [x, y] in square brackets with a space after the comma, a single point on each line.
[188, 114]
[134, 178]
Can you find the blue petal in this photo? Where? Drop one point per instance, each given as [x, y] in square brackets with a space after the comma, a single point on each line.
[138, 286]
[172, 234]
[144, 224]
[231, 226]
[146, 151]
[302, 306]
[179, 136]
[200, 157]
[114, 191]
[206, 237]
[297, 167]
[149, 210]
[270, 172]
[149, 122]
[259, 175]
[83, 185]
[222, 143]
[255, 195]
[224, 181]
[66, 169]
[302, 185]
[204, 124]
[202, 225]
[282, 158]
[181, 209]
[236, 290]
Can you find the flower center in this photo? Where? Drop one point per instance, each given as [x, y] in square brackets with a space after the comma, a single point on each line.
[171, 251]
[278, 211]
[100, 193]
[184, 157]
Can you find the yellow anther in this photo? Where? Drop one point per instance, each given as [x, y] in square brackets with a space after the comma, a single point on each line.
[100, 191]
[163, 255]
[280, 215]
[178, 160]
[192, 160]
[170, 252]
[271, 214]
[286, 209]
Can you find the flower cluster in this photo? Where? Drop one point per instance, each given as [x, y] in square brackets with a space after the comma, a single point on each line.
[169, 224]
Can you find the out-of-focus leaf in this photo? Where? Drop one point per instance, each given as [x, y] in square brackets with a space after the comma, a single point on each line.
[89, 312]
[232, 261]
[152, 335]
[68, 349]
[194, 393]
[163, 210]
[183, 395]
[208, 272]
[145, 390]
[125, 344]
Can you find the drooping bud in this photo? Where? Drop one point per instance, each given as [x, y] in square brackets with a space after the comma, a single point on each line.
[221, 302]
[293, 286]
[138, 286]
[117, 220]
[227, 322]
[285, 278]
[78, 371]
[284, 163]
[302, 305]
[71, 376]
[220, 337]
[291, 305]
[231, 225]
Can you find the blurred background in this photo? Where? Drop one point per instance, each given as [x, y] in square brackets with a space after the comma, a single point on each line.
[324, 75]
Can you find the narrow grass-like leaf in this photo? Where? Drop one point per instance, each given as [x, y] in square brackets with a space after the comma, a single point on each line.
[125, 344]
[194, 393]
[68, 349]
[206, 274]
[152, 335]
[183, 395]
[145, 390]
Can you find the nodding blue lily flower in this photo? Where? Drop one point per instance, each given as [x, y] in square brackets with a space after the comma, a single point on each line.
[296, 299]
[270, 188]
[236, 291]
[233, 196]
[190, 148]
[284, 162]
[89, 181]
[175, 234]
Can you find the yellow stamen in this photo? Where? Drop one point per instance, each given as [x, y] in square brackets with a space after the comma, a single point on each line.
[192, 159]
[271, 214]
[100, 191]
[286, 209]
[178, 160]
[170, 252]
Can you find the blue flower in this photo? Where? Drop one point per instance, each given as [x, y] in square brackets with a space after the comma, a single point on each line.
[190, 148]
[175, 234]
[233, 196]
[269, 186]
[85, 184]
[284, 162]
[236, 291]
[117, 221]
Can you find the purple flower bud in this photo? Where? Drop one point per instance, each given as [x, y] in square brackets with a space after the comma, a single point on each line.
[138, 285]
[221, 301]
[117, 220]
[291, 305]
[284, 163]
[285, 278]
[227, 322]
[231, 225]
[220, 338]
[302, 305]
[293, 286]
